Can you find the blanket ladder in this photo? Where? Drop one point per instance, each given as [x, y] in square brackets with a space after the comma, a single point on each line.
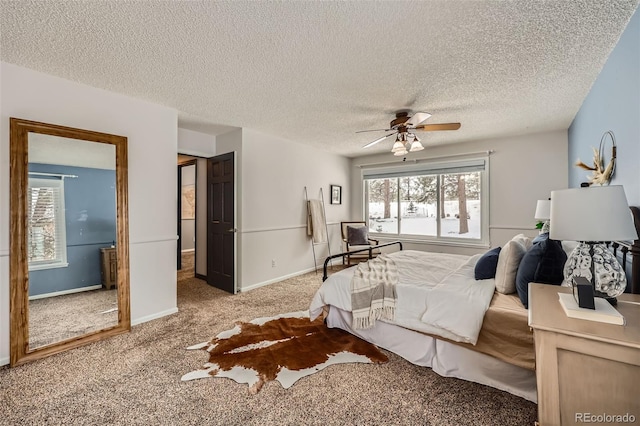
[317, 225]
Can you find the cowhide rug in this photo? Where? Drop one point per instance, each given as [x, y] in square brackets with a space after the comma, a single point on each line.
[283, 348]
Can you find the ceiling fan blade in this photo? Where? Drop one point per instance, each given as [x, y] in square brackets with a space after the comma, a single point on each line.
[436, 127]
[374, 130]
[378, 140]
[417, 118]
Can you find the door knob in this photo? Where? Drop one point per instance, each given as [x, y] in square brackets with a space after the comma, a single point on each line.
[232, 230]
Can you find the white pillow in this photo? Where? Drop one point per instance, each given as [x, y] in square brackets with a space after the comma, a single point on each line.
[508, 262]
[524, 240]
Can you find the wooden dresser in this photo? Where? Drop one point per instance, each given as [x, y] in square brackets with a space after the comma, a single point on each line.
[109, 268]
[586, 371]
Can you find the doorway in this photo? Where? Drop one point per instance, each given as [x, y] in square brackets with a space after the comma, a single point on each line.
[186, 226]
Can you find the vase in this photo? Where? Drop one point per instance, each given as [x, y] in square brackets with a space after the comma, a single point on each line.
[596, 263]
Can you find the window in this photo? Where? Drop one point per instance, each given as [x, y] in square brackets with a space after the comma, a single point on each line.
[446, 202]
[46, 245]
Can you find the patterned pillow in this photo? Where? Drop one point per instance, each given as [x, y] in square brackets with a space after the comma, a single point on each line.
[358, 236]
[508, 262]
[487, 264]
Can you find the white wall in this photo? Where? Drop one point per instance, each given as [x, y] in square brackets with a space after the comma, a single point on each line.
[272, 223]
[196, 143]
[523, 169]
[152, 134]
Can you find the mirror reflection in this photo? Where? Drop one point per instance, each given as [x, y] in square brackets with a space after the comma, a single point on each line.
[71, 238]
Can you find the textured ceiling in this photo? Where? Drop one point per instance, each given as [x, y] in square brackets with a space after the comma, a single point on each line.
[316, 72]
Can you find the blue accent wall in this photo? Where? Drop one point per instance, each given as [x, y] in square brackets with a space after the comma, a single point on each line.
[90, 219]
[612, 104]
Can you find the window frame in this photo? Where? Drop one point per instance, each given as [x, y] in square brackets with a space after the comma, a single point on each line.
[60, 224]
[436, 168]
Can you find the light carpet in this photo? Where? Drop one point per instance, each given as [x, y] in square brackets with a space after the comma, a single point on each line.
[134, 379]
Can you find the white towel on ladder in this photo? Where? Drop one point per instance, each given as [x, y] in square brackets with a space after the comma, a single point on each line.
[317, 226]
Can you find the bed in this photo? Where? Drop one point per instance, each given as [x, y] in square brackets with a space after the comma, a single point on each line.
[501, 355]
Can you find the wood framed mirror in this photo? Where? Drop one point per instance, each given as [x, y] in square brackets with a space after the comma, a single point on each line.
[69, 239]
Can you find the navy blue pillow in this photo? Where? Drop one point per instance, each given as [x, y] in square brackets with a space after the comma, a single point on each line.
[487, 264]
[540, 237]
[542, 263]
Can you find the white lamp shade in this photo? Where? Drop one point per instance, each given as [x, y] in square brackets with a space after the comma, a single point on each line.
[398, 146]
[597, 213]
[416, 146]
[543, 210]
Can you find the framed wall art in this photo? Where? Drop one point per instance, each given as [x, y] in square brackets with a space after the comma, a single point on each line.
[336, 194]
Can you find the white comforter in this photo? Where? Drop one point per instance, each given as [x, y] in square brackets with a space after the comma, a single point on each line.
[437, 294]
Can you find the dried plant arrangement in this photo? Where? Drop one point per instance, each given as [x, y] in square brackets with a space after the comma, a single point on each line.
[601, 175]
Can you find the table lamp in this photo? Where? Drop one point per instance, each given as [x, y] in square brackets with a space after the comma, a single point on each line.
[593, 216]
[543, 214]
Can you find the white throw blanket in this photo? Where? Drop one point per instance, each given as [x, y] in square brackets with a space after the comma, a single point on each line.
[316, 226]
[373, 291]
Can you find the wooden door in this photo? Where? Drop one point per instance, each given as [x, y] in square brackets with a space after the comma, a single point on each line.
[221, 231]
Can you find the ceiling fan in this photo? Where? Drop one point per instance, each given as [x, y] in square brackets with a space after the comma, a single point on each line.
[404, 127]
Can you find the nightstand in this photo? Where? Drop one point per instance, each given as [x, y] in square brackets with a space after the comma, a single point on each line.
[585, 370]
[109, 267]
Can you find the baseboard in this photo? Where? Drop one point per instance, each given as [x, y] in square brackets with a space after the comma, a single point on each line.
[63, 292]
[154, 316]
[4, 361]
[187, 251]
[201, 277]
[282, 278]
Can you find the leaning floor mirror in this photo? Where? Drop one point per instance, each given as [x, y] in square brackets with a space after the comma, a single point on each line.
[69, 257]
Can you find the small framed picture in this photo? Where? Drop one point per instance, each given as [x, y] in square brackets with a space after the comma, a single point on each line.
[336, 194]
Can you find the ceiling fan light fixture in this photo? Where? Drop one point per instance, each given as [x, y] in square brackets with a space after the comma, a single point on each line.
[416, 146]
[399, 153]
[403, 126]
[398, 146]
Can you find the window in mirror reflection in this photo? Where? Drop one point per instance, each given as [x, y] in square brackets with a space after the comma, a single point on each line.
[46, 233]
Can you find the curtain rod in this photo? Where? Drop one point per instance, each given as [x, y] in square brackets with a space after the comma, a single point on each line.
[418, 160]
[60, 175]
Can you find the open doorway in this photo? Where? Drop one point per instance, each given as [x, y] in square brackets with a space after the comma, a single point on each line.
[186, 250]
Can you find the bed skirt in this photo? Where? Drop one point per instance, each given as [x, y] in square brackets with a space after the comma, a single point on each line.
[445, 358]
